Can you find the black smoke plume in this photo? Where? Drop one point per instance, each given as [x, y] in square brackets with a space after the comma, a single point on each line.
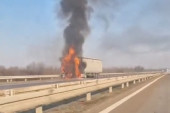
[76, 31]
[74, 34]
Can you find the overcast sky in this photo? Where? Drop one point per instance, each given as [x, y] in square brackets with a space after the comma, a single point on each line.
[123, 33]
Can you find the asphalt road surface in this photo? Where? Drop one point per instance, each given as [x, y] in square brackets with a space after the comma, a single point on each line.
[14, 85]
[153, 99]
[34, 83]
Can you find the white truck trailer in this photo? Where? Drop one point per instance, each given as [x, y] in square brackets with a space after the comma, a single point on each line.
[93, 67]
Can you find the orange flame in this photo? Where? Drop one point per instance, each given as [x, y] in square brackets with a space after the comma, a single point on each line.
[70, 64]
[77, 64]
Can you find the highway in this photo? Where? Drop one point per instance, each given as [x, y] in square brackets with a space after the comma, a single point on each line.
[30, 97]
[13, 85]
[34, 83]
[154, 99]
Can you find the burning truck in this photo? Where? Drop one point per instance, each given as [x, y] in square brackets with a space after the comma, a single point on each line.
[73, 66]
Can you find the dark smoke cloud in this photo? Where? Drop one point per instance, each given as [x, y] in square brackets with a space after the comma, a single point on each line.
[76, 31]
[136, 41]
[105, 20]
[144, 41]
[104, 11]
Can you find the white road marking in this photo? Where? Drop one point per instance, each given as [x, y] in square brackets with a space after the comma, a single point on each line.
[115, 105]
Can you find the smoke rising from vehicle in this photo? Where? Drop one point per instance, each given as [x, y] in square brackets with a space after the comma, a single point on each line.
[74, 34]
[77, 29]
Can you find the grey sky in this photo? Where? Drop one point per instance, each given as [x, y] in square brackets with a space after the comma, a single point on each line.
[123, 33]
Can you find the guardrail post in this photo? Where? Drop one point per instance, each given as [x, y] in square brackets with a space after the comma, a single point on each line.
[9, 92]
[127, 84]
[39, 110]
[56, 86]
[97, 81]
[139, 80]
[7, 80]
[82, 82]
[6, 92]
[25, 80]
[110, 89]
[123, 85]
[134, 82]
[88, 96]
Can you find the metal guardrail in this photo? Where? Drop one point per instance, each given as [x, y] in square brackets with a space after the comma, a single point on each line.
[127, 73]
[11, 92]
[38, 95]
[32, 89]
[4, 79]
[25, 78]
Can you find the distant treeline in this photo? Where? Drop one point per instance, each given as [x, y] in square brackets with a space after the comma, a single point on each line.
[41, 69]
[126, 69]
[32, 69]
